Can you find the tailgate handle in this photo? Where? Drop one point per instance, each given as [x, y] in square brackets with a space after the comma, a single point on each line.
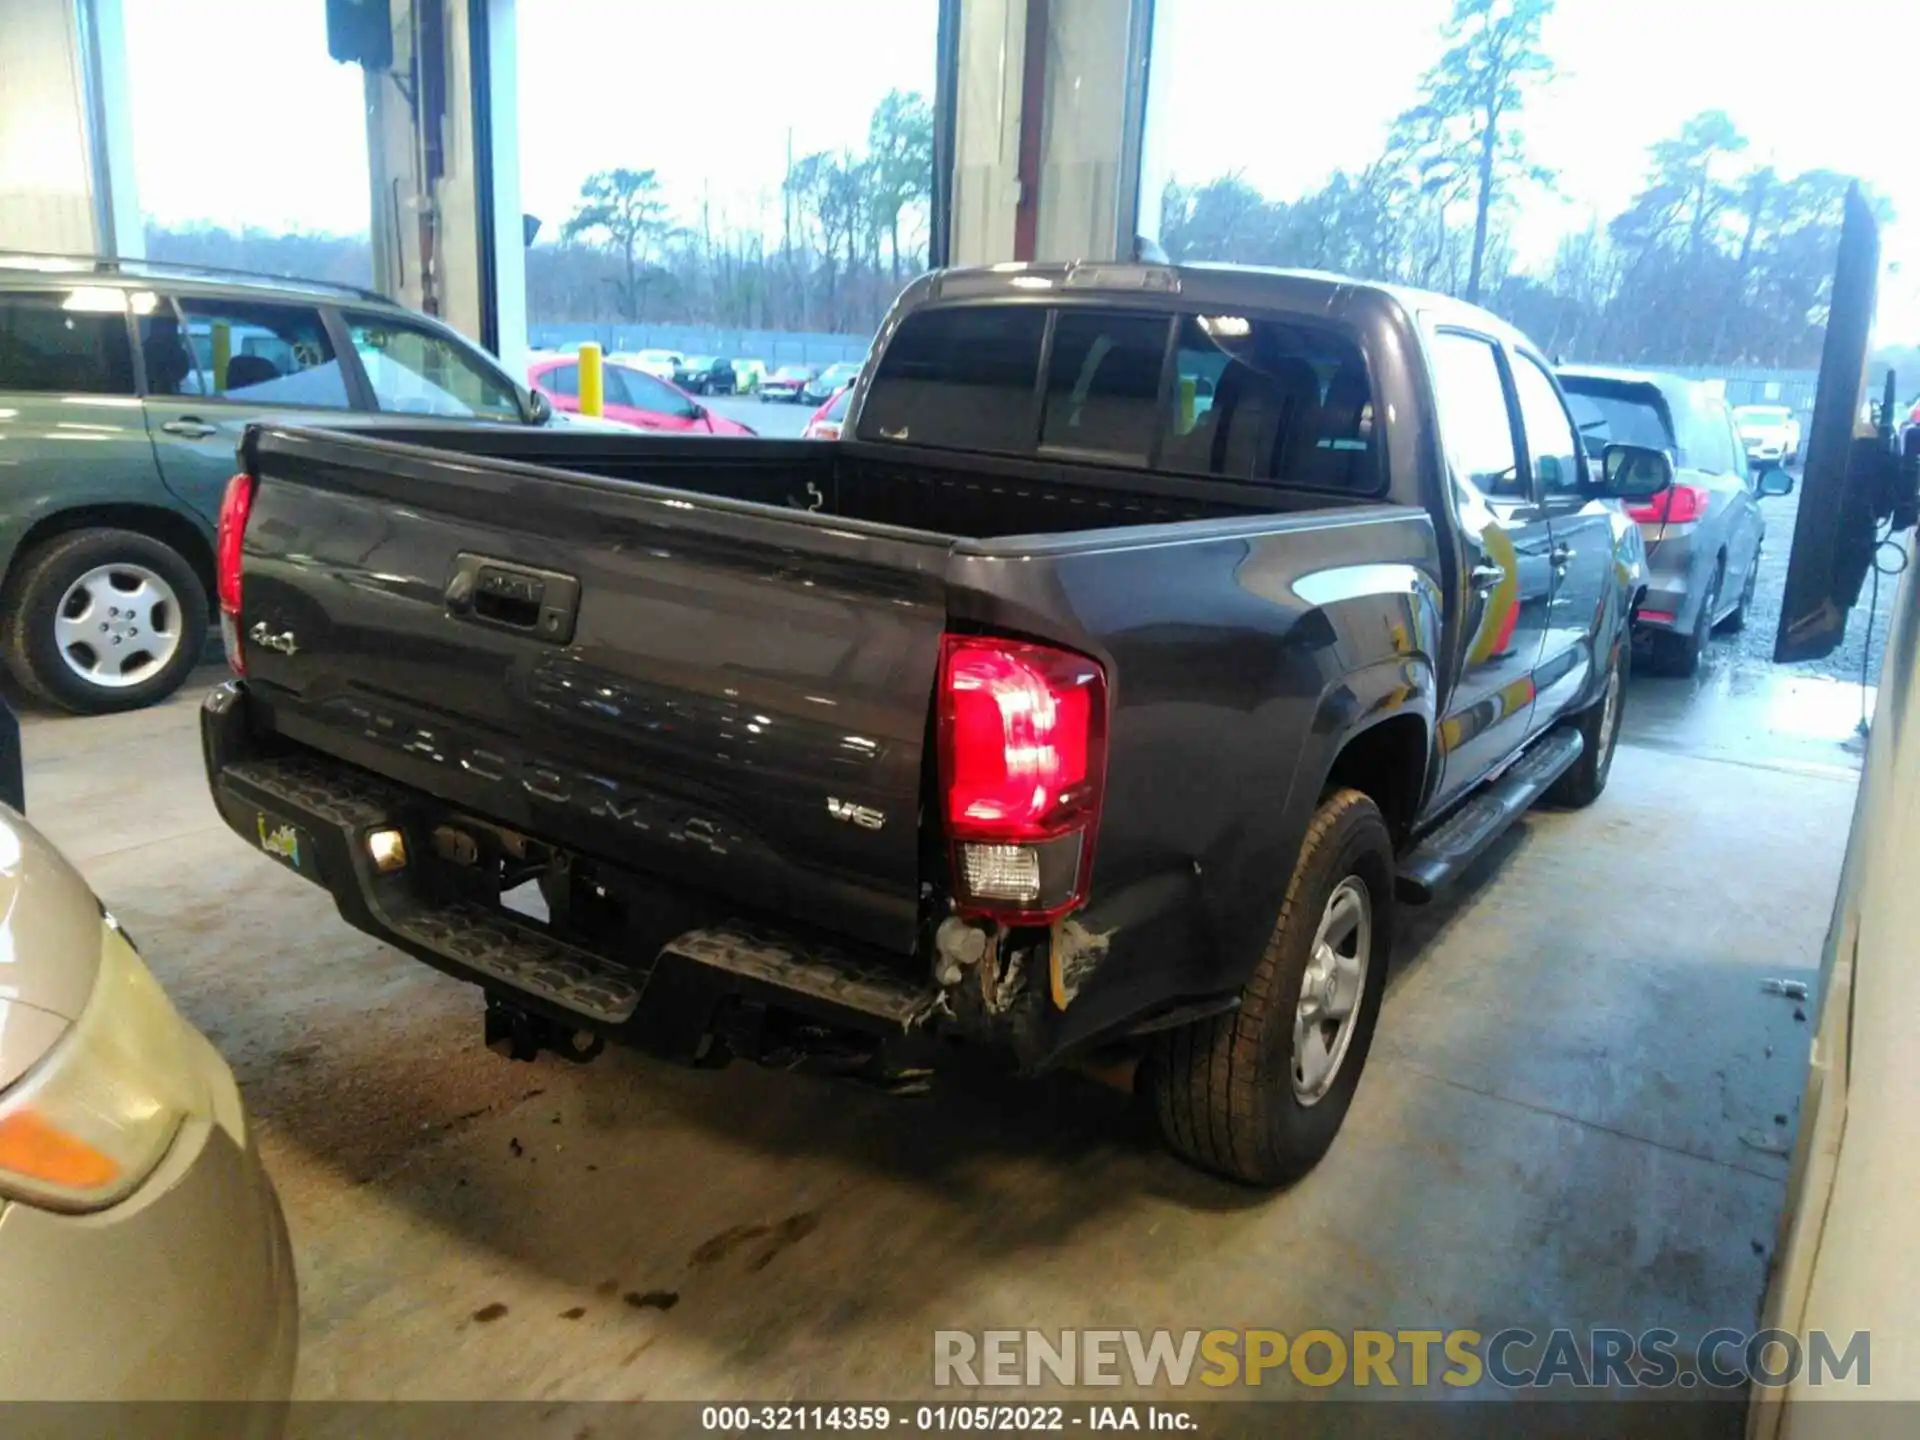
[541, 604]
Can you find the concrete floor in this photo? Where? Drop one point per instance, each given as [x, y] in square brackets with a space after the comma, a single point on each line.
[1572, 1115]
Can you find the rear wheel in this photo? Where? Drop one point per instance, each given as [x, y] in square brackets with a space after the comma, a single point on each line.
[1258, 1094]
[1679, 655]
[1737, 621]
[102, 619]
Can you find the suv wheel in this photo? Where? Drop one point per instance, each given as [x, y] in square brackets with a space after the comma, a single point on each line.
[1258, 1094]
[1679, 655]
[101, 620]
[1737, 621]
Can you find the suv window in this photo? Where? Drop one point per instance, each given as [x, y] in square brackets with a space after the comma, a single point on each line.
[1269, 401]
[1707, 436]
[1739, 450]
[1103, 383]
[73, 341]
[241, 350]
[417, 371]
[960, 378]
[1558, 464]
[1475, 424]
[1609, 414]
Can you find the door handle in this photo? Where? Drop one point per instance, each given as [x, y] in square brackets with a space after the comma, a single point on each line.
[1560, 555]
[190, 427]
[1486, 575]
[542, 604]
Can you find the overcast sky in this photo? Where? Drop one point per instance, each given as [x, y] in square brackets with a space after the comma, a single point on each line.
[240, 116]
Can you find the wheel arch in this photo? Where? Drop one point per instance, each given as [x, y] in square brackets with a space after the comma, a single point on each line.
[186, 537]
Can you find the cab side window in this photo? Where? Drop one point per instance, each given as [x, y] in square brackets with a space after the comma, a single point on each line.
[1552, 445]
[1475, 424]
[65, 342]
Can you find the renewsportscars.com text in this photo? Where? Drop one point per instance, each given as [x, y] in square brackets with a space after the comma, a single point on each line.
[1514, 1358]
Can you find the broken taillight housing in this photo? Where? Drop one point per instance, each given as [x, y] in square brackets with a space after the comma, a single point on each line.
[236, 506]
[1023, 759]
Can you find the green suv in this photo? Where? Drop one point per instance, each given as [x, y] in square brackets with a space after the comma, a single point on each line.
[124, 387]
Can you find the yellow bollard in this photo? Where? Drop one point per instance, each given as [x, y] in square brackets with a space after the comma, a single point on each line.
[1189, 394]
[222, 353]
[592, 390]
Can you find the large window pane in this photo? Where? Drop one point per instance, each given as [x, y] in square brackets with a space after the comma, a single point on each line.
[1630, 181]
[736, 179]
[249, 140]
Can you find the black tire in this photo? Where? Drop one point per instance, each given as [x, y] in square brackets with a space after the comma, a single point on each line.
[1223, 1089]
[1678, 656]
[1599, 726]
[42, 581]
[1737, 621]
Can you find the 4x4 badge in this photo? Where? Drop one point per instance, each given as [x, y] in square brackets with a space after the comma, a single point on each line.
[283, 642]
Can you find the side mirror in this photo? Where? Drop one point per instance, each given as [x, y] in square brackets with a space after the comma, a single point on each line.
[1772, 479]
[539, 408]
[1634, 472]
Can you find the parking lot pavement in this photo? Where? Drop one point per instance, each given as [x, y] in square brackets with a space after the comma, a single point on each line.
[772, 421]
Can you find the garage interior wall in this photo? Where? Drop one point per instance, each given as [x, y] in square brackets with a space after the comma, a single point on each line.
[1081, 182]
[66, 143]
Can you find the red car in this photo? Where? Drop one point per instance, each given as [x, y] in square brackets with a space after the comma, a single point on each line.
[632, 398]
[825, 423]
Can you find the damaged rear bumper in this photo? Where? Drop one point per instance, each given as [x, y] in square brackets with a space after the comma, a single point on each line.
[314, 815]
[671, 993]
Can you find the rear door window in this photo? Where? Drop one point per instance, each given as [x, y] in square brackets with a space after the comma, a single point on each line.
[66, 342]
[243, 351]
[961, 379]
[1476, 425]
[1558, 464]
[1271, 402]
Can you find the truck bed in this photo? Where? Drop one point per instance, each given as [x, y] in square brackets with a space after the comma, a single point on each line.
[971, 497]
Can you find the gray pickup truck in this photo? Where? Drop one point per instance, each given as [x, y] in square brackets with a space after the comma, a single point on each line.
[1150, 635]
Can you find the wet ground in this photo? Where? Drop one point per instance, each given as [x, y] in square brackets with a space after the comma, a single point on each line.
[1755, 643]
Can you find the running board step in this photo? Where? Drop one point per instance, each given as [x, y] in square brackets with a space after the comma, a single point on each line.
[1440, 857]
[527, 959]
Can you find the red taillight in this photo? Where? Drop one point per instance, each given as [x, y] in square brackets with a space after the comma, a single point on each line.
[1023, 742]
[235, 508]
[1675, 505]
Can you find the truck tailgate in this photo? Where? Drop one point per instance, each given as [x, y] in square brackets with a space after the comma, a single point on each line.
[700, 689]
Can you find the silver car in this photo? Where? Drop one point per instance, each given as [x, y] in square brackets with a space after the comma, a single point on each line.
[1704, 533]
[143, 1255]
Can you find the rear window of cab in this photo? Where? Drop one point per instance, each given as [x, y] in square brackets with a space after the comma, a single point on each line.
[1228, 397]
